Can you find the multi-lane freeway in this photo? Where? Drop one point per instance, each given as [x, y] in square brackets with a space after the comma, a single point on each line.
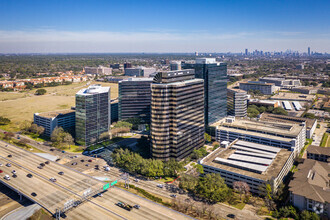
[72, 186]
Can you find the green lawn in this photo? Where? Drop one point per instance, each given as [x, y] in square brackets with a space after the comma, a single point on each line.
[73, 149]
[309, 142]
[36, 137]
[165, 179]
[239, 205]
[325, 140]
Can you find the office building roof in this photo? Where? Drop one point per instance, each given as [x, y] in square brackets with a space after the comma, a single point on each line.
[239, 157]
[312, 181]
[93, 89]
[54, 114]
[288, 119]
[318, 150]
[262, 128]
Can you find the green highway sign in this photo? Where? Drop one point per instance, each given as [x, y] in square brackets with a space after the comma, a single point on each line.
[113, 183]
[106, 186]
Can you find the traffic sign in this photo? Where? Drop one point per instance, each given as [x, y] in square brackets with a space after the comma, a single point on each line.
[114, 182]
[106, 186]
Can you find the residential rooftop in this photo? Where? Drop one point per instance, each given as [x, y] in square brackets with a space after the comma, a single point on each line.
[54, 114]
[312, 181]
[249, 159]
[319, 150]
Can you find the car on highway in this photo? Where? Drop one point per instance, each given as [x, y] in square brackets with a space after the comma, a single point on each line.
[14, 175]
[58, 159]
[52, 179]
[8, 165]
[52, 149]
[75, 163]
[160, 185]
[90, 160]
[40, 167]
[173, 196]
[136, 180]
[14, 171]
[1, 171]
[0, 164]
[6, 177]
[29, 175]
[82, 161]
[47, 162]
[107, 168]
[61, 173]
[136, 206]
[42, 164]
[124, 206]
[9, 155]
[231, 216]
[34, 194]
[87, 165]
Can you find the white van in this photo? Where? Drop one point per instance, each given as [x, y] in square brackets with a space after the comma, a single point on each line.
[7, 177]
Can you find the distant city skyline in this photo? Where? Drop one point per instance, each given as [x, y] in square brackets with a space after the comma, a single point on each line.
[157, 26]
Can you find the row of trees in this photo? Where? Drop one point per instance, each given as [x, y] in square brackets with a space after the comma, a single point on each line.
[134, 163]
[61, 138]
[292, 212]
[253, 110]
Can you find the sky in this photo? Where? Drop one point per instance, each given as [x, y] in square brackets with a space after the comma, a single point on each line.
[105, 26]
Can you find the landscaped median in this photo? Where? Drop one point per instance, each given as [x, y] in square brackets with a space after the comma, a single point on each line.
[325, 140]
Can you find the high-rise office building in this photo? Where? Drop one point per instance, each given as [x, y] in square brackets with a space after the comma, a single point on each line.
[177, 114]
[237, 103]
[92, 114]
[246, 52]
[309, 51]
[215, 87]
[135, 99]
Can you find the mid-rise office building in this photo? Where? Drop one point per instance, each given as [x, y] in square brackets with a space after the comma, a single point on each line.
[114, 110]
[135, 99]
[281, 82]
[255, 164]
[215, 86]
[236, 102]
[177, 114]
[50, 120]
[310, 123]
[263, 87]
[100, 70]
[92, 114]
[175, 65]
[140, 71]
[309, 189]
[283, 135]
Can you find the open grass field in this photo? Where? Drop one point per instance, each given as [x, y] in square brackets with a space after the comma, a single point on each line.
[21, 106]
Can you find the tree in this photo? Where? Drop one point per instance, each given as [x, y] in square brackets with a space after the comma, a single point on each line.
[123, 124]
[4, 121]
[9, 135]
[213, 188]
[188, 182]
[207, 137]
[306, 215]
[172, 168]
[41, 92]
[279, 111]
[215, 145]
[252, 112]
[242, 188]
[309, 115]
[60, 138]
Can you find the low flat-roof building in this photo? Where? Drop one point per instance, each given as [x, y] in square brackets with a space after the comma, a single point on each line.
[263, 87]
[309, 189]
[255, 164]
[283, 135]
[318, 153]
[310, 123]
[51, 120]
[140, 71]
[264, 103]
[100, 70]
[305, 90]
[281, 82]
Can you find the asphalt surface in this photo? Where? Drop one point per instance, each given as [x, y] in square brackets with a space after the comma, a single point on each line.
[71, 186]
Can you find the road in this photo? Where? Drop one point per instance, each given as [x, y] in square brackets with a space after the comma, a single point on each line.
[319, 134]
[22, 212]
[71, 186]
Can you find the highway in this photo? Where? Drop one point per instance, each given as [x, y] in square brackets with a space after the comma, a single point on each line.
[71, 186]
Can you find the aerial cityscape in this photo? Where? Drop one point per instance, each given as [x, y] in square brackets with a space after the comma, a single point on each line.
[211, 110]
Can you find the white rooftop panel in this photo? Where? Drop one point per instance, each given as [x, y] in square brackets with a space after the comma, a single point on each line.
[258, 168]
[250, 159]
[266, 156]
[259, 146]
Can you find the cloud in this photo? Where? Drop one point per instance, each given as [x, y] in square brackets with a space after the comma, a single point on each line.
[58, 41]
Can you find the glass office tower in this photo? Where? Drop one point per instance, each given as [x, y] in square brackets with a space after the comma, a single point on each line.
[92, 114]
[135, 99]
[215, 87]
[177, 114]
